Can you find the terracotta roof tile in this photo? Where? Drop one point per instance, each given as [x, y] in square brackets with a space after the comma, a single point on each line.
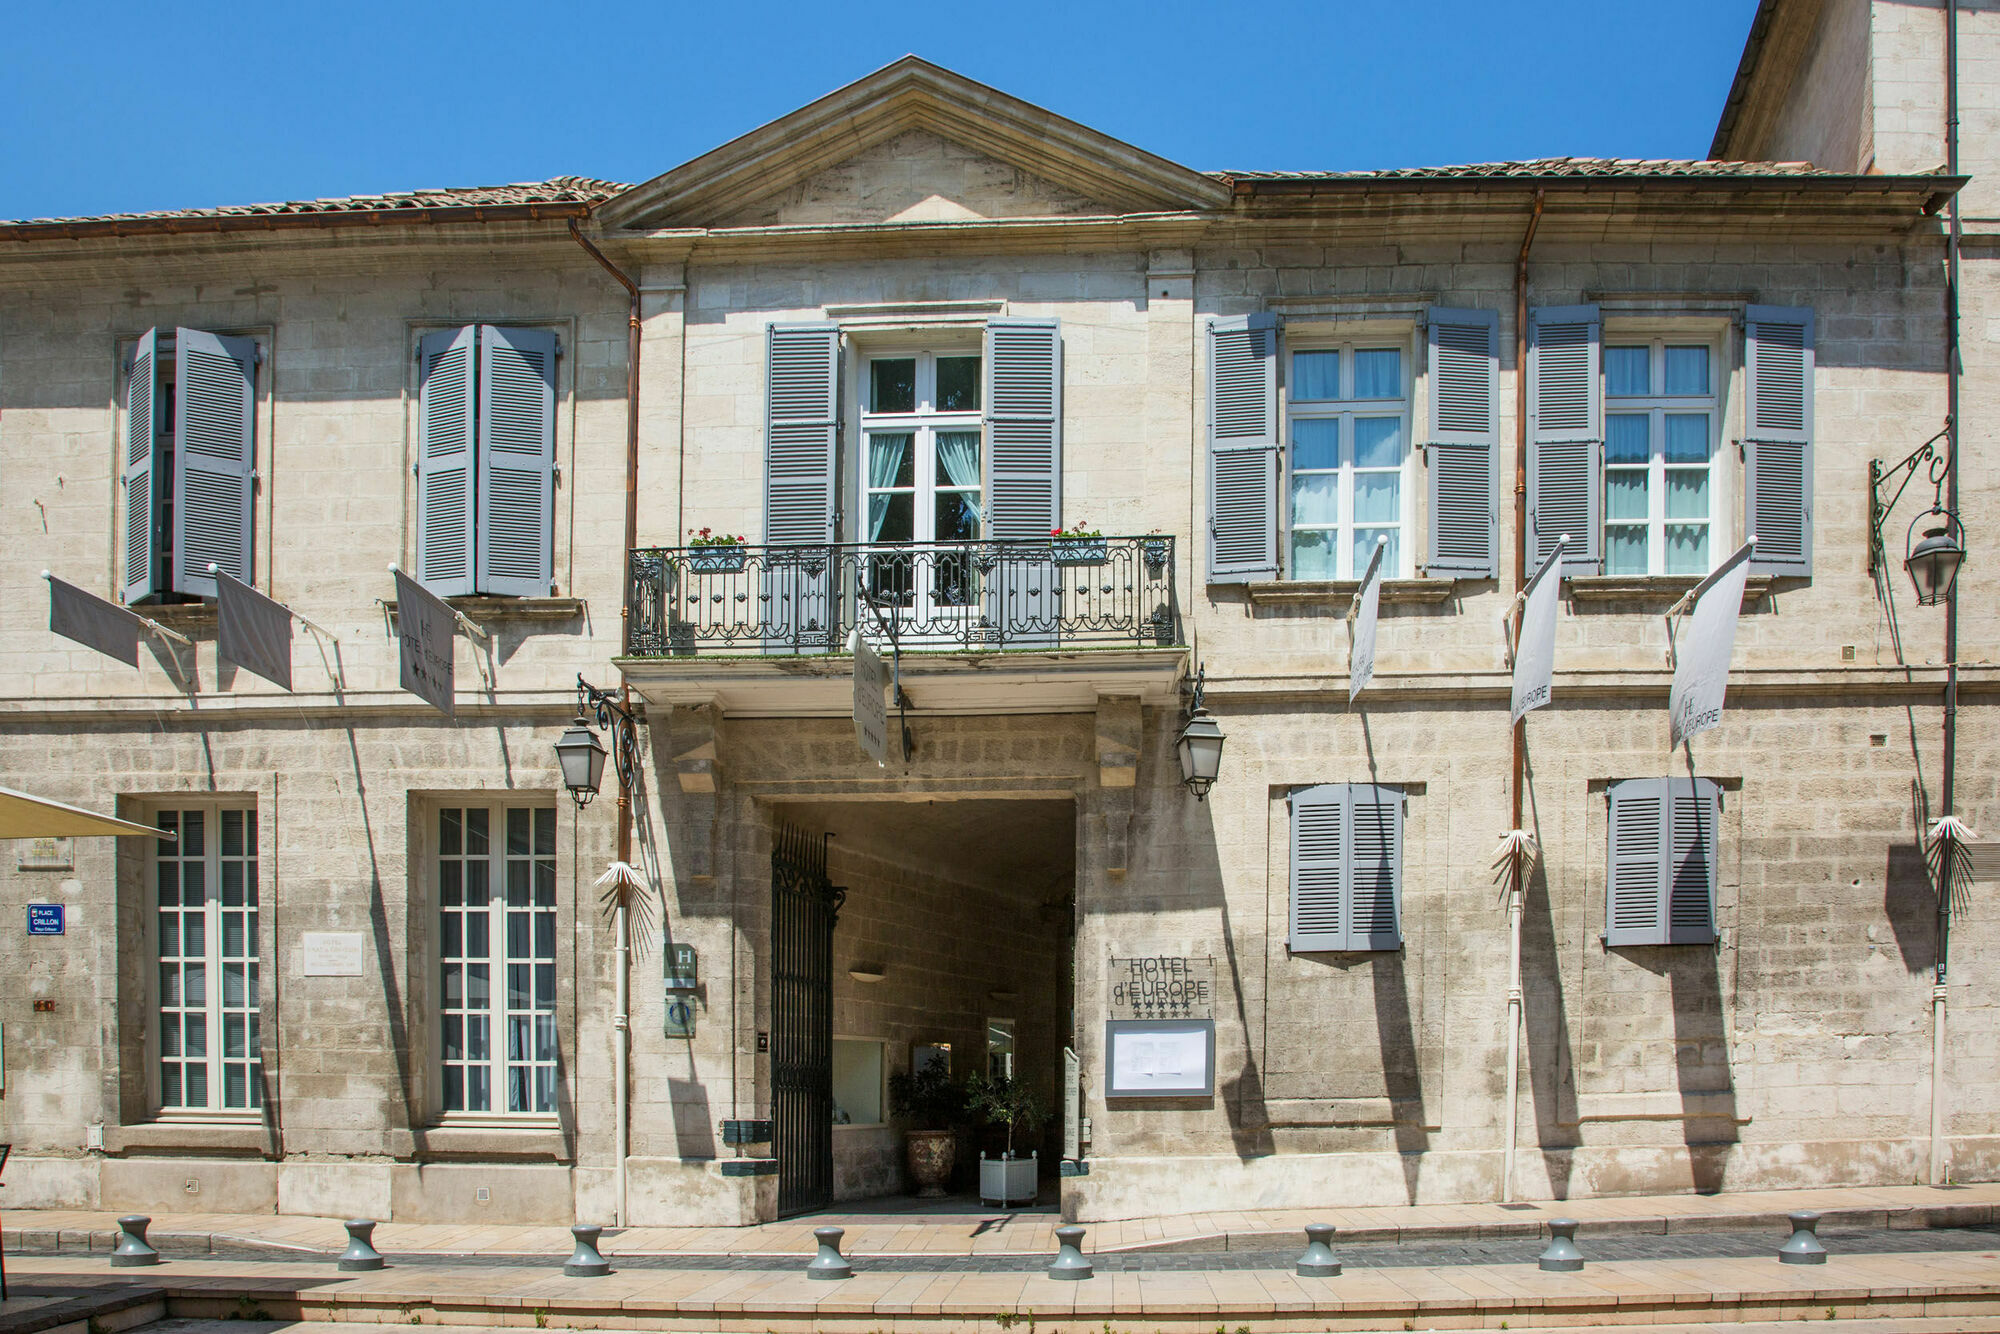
[1580, 167]
[556, 190]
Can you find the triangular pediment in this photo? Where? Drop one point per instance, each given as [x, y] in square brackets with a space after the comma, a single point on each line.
[912, 143]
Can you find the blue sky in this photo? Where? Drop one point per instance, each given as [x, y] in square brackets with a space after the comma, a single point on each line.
[122, 107]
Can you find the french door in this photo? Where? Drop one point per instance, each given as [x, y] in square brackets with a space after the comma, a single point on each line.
[922, 486]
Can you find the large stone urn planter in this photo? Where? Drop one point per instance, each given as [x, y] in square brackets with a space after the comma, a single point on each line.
[931, 1156]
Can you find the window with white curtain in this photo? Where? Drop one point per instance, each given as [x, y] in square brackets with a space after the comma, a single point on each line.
[922, 474]
[496, 895]
[1660, 435]
[1349, 463]
[205, 938]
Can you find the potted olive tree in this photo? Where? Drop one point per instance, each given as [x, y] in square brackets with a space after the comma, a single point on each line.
[1009, 1102]
[931, 1104]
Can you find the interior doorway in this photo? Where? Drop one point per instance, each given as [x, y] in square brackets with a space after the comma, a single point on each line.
[951, 942]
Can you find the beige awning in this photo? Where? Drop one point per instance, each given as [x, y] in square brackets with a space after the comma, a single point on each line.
[23, 816]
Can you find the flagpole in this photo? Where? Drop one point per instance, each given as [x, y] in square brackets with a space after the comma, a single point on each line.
[1511, 1117]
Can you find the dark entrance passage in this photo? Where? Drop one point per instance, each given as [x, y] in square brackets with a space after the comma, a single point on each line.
[804, 907]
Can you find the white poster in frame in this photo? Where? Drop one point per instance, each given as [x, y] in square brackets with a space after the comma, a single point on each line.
[1159, 1058]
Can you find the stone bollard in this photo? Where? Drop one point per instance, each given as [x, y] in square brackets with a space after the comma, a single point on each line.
[1802, 1247]
[1562, 1256]
[132, 1248]
[360, 1255]
[1069, 1263]
[1319, 1260]
[829, 1264]
[585, 1262]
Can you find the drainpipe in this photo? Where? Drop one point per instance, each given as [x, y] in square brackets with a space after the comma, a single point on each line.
[1511, 1119]
[621, 1020]
[1940, 1168]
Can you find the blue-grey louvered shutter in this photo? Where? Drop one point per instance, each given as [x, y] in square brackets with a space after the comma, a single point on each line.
[1777, 447]
[142, 398]
[801, 417]
[517, 461]
[1243, 449]
[801, 434]
[1566, 436]
[1464, 443]
[215, 457]
[1024, 428]
[1375, 867]
[1691, 861]
[1635, 909]
[1023, 368]
[1319, 868]
[447, 424]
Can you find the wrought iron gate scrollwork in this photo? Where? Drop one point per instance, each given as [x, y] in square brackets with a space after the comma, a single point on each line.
[804, 907]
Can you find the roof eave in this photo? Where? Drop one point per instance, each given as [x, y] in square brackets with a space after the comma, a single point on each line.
[101, 228]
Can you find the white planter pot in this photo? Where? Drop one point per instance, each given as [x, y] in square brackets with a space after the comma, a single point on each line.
[1008, 1180]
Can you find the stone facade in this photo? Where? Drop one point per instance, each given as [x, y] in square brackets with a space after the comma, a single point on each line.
[1039, 829]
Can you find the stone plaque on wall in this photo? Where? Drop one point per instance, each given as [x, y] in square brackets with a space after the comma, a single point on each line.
[1161, 986]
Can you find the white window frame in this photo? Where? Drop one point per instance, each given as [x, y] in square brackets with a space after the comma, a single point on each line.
[1345, 409]
[497, 960]
[923, 609]
[923, 426]
[1657, 404]
[216, 1011]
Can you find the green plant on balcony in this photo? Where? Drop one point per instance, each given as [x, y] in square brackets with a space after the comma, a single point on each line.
[710, 552]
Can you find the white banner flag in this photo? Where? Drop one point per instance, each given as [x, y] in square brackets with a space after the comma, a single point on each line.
[1535, 649]
[425, 634]
[1361, 657]
[253, 631]
[871, 708]
[1701, 652]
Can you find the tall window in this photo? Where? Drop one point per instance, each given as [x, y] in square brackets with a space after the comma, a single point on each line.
[921, 473]
[1659, 458]
[206, 893]
[1348, 419]
[497, 958]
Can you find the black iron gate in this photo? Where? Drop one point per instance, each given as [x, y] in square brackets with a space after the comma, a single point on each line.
[804, 907]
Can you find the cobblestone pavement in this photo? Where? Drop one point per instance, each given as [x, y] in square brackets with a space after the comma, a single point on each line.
[1734, 1244]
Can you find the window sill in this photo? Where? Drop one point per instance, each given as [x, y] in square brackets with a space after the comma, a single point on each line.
[483, 610]
[539, 1140]
[1338, 592]
[184, 618]
[214, 1136]
[1665, 589]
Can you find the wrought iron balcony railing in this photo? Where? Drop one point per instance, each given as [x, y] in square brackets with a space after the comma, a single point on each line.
[1050, 593]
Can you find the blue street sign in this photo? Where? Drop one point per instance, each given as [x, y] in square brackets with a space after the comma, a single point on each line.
[45, 919]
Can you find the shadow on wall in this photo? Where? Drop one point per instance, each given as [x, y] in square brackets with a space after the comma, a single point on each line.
[1702, 1067]
[1545, 1021]
[1909, 900]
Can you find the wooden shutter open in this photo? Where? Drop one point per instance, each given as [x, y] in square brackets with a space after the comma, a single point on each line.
[215, 457]
[1693, 810]
[1375, 867]
[1243, 464]
[517, 461]
[1566, 436]
[1635, 885]
[1023, 366]
[1319, 868]
[142, 397]
[447, 425]
[801, 417]
[1778, 448]
[1464, 443]
[801, 440]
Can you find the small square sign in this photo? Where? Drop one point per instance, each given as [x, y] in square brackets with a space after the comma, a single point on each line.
[45, 919]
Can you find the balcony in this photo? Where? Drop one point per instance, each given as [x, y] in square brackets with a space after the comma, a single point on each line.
[982, 626]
